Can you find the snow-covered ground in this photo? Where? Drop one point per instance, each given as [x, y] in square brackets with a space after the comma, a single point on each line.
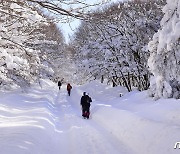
[47, 121]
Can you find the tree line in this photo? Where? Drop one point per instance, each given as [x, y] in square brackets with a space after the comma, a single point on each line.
[132, 43]
[113, 44]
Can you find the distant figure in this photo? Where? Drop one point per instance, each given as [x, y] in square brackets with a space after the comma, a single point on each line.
[85, 103]
[69, 87]
[59, 84]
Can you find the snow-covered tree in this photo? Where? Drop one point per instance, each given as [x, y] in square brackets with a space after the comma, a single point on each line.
[18, 63]
[27, 44]
[51, 44]
[114, 44]
[164, 61]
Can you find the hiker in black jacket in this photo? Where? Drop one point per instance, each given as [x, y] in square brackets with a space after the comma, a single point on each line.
[85, 103]
[59, 84]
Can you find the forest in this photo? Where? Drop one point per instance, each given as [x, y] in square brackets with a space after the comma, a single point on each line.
[135, 44]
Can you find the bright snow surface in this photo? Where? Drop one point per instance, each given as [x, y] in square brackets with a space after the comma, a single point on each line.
[47, 121]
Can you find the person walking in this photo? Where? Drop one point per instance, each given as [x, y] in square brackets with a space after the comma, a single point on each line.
[59, 84]
[69, 87]
[85, 103]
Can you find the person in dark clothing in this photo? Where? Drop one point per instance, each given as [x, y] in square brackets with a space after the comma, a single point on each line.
[59, 84]
[69, 87]
[85, 103]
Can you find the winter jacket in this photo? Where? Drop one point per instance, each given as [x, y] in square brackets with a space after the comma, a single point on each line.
[85, 101]
[59, 83]
[69, 87]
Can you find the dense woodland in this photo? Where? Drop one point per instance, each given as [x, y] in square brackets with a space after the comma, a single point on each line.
[135, 44]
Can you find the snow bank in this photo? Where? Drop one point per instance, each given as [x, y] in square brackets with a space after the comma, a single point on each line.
[28, 121]
[140, 134]
[143, 125]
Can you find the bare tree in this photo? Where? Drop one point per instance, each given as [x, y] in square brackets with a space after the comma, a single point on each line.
[72, 8]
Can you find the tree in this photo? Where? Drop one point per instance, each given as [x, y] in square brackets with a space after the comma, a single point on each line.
[51, 46]
[114, 44]
[69, 9]
[28, 47]
[164, 60]
[18, 63]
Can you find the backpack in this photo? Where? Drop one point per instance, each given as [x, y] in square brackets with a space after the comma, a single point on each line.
[69, 87]
[89, 99]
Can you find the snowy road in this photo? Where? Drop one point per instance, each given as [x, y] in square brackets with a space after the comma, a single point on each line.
[85, 136]
[47, 121]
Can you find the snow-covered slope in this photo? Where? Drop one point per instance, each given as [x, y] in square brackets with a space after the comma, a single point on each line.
[47, 121]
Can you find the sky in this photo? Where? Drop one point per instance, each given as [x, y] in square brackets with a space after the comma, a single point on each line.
[69, 28]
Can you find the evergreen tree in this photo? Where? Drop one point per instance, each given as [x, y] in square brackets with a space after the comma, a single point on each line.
[164, 60]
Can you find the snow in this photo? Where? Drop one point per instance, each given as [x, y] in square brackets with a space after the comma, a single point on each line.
[48, 121]
[164, 52]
